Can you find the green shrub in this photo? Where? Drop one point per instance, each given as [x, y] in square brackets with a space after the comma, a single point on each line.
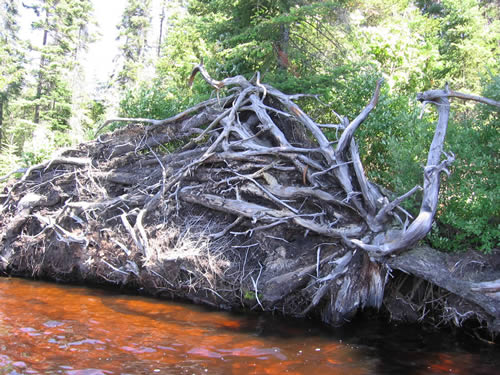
[9, 160]
[155, 101]
[394, 143]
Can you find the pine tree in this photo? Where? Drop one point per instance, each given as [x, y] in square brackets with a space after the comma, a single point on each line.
[63, 24]
[134, 28]
[11, 58]
[269, 35]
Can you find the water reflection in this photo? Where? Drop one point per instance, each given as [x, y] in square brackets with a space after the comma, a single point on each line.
[51, 329]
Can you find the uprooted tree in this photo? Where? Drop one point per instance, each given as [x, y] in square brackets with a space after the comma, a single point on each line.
[255, 207]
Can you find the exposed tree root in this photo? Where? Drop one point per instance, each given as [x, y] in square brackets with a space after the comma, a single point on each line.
[256, 207]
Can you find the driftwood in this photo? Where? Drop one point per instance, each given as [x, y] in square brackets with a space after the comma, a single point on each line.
[255, 207]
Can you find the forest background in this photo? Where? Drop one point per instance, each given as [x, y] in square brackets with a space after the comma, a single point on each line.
[333, 49]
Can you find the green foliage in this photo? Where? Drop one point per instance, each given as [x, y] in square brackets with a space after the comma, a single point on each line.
[12, 71]
[62, 28]
[266, 36]
[469, 213]
[398, 40]
[471, 205]
[394, 144]
[36, 95]
[96, 110]
[38, 144]
[251, 296]
[468, 37]
[147, 101]
[41, 144]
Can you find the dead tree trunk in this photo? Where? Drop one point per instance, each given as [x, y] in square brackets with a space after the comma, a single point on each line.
[256, 207]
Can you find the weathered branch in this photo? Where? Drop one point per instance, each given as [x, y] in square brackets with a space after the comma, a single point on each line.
[430, 265]
[384, 211]
[432, 95]
[345, 139]
[169, 120]
[419, 228]
[237, 80]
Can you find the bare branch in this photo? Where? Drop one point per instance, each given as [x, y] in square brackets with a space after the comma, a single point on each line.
[433, 95]
[169, 120]
[382, 214]
[345, 139]
[419, 228]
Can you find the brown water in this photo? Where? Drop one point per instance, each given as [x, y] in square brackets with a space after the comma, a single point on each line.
[53, 329]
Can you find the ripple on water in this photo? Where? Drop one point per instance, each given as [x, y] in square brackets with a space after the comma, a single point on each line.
[88, 371]
[52, 324]
[52, 329]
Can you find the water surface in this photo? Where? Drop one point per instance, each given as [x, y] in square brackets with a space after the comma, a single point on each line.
[52, 329]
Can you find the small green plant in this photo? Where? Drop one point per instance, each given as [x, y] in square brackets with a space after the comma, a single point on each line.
[251, 296]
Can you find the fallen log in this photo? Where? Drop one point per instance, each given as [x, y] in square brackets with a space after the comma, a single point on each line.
[257, 208]
[468, 284]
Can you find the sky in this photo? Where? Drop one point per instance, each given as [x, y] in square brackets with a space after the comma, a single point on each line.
[102, 53]
[99, 59]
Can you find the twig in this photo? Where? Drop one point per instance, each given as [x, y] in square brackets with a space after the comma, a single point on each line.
[131, 231]
[167, 121]
[160, 276]
[395, 203]
[318, 255]
[324, 171]
[256, 289]
[114, 268]
[220, 234]
[244, 246]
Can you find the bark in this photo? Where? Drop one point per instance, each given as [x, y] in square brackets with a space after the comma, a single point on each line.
[2, 101]
[160, 33]
[39, 86]
[255, 208]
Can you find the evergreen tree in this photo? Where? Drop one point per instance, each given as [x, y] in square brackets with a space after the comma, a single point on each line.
[134, 28]
[288, 35]
[63, 26]
[468, 40]
[160, 31]
[11, 58]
